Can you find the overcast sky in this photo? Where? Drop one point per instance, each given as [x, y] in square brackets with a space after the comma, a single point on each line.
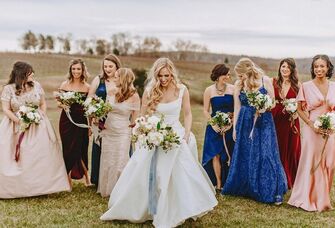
[268, 28]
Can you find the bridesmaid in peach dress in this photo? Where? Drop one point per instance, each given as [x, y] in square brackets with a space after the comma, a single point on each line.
[40, 168]
[311, 190]
[116, 137]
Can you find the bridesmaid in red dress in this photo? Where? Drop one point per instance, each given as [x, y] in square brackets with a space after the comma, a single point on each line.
[286, 86]
[75, 139]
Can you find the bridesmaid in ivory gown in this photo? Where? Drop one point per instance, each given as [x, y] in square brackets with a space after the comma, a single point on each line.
[183, 189]
[74, 138]
[116, 137]
[311, 190]
[40, 168]
[99, 87]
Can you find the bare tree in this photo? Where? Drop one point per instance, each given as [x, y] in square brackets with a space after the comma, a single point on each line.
[50, 43]
[151, 44]
[65, 43]
[122, 42]
[29, 41]
[42, 42]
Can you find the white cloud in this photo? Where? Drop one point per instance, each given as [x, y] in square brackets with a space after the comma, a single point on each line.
[261, 27]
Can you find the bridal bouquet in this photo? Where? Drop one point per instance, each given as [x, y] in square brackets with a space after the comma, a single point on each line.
[222, 120]
[326, 125]
[68, 98]
[151, 131]
[28, 114]
[95, 107]
[261, 102]
[291, 106]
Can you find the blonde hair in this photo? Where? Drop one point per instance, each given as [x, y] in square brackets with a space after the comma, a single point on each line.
[251, 70]
[127, 88]
[154, 88]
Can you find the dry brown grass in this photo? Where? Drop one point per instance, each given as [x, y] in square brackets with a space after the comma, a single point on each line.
[83, 207]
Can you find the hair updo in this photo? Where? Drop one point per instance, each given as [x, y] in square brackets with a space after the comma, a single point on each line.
[219, 70]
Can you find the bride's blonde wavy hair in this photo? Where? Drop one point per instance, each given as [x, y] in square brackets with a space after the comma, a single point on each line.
[247, 67]
[127, 88]
[154, 88]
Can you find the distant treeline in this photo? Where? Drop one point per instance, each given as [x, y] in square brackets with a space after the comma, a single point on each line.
[119, 44]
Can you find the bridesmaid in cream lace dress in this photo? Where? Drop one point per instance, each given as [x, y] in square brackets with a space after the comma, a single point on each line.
[40, 168]
[116, 137]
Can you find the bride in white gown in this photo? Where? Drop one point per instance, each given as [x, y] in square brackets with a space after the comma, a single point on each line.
[183, 187]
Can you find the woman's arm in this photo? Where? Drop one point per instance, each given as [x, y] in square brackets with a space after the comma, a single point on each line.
[43, 105]
[145, 100]
[135, 113]
[8, 112]
[237, 106]
[206, 106]
[187, 114]
[93, 86]
[305, 118]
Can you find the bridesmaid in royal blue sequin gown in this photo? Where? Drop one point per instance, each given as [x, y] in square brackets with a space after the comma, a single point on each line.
[256, 171]
[218, 97]
[100, 86]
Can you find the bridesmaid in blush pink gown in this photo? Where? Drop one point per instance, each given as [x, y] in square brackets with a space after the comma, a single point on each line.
[311, 190]
[40, 168]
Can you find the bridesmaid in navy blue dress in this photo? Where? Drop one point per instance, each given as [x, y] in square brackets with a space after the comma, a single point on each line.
[218, 97]
[256, 170]
[100, 85]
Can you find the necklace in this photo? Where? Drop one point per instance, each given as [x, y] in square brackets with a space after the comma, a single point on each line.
[220, 91]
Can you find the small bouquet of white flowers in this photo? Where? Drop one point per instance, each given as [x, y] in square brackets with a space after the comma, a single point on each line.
[151, 131]
[261, 102]
[224, 122]
[68, 98]
[291, 107]
[28, 114]
[326, 125]
[97, 108]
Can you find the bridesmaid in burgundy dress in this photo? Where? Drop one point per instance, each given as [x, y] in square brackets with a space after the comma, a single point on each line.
[75, 139]
[286, 86]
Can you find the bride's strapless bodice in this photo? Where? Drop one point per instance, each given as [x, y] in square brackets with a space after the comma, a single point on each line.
[171, 110]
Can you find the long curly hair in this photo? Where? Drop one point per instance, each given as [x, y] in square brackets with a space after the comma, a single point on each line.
[19, 76]
[293, 76]
[127, 88]
[84, 75]
[247, 67]
[154, 87]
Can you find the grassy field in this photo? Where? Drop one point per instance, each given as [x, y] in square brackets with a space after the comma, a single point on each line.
[82, 207]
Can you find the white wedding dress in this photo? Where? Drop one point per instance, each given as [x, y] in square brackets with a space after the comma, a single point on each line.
[183, 187]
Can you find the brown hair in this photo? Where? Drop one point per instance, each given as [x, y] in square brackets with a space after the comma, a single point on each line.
[113, 58]
[19, 75]
[84, 75]
[293, 76]
[219, 70]
[127, 88]
[329, 65]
